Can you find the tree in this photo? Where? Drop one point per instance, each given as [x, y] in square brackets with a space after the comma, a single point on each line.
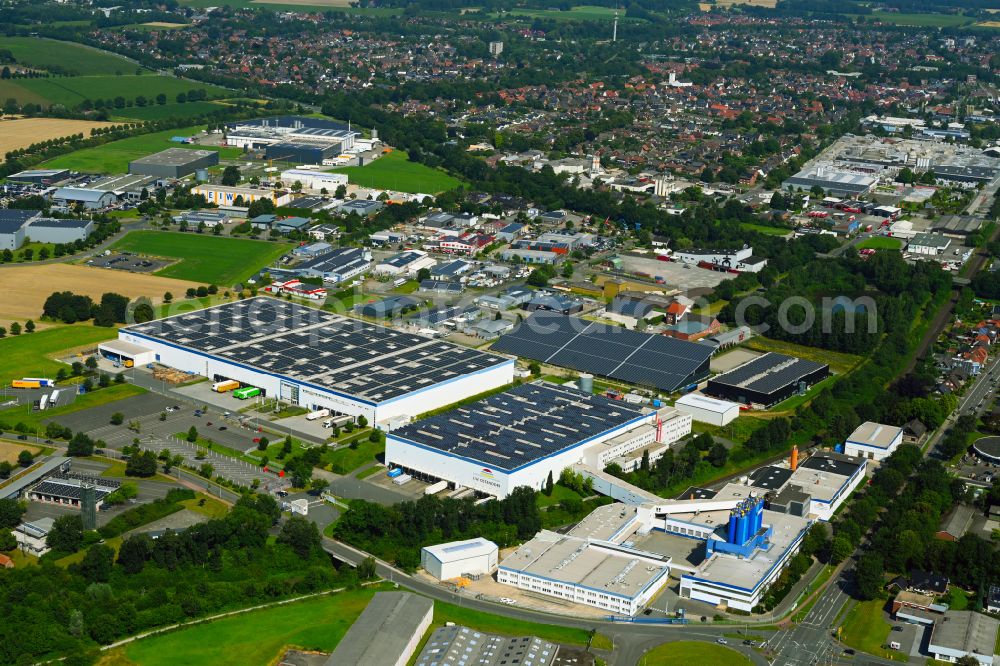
[168, 297]
[192, 435]
[96, 564]
[301, 535]
[7, 540]
[549, 485]
[80, 445]
[367, 568]
[262, 444]
[840, 549]
[362, 421]
[869, 575]
[718, 454]
[29, 326]
[10, 513]
[25, 458]
[15, 328]
[141, 464]
[135, 552]
[317, 486]
[66, 535]
[206, 470]
[91, 363]
[231, 176]
[423, 274]
[117, 418]
[340, 192]
[5, 469]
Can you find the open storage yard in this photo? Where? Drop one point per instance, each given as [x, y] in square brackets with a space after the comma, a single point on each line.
[26, 287]
[23, 132]
[207, 259]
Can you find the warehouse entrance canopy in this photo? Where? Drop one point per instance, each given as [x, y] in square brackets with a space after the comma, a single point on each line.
[644, 359]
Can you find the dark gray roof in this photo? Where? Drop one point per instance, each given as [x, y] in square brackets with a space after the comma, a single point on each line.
[383, 632]
[12, 219]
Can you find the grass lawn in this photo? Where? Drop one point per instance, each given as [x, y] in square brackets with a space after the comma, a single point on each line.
[114, 157]
[159, 112]
[371, 471]
[559, 493]
[764, 229]
[255, 637]
[866, 629]
[113, 393]
[209, 259]
[26, 355]
[444, 612]
[839, 362]
[880, 243]
[682, 653]
[211, 507]
[70, 91]
[66, 56]
[346, 460]
[394, 171]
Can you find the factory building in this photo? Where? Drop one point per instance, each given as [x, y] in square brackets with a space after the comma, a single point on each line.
[767, 379]
[89, 198]
[337, 265]
[223, 195]
[319, 360]
[521, 436]
[314, 180]
[387, 633]
[50, 230]
[928, 244]
[173, 162]
[39, 176]
[405, 263]
[472, 557]
[873, 441]
[298, 139]
[834, 182]
[13, 223]
[728, 258]
[708, 410]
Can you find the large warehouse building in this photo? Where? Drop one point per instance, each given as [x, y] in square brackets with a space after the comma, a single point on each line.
[833, 181]
[653, 361]
[319, 360]
[173, 162]
[518, 437]
[314, 180]
[767, 379]
[297, 139]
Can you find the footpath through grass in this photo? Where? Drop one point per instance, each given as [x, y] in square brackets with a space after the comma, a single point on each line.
[27, 355]
[684, 653]
[204, 258]
[394, 171]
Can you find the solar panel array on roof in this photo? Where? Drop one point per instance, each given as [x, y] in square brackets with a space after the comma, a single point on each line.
[348, 355]
[519, 426]
[767, 373]
[609, 351]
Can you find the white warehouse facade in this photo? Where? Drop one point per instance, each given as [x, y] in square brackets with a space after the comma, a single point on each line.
[317, 360]
[521, 436]
[459, 558]
[708, 410]
[313, 180]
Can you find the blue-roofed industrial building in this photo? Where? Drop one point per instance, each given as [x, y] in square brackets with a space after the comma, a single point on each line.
[336, 266]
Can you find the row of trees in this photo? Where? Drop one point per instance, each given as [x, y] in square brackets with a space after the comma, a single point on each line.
[397, 533]
[69, 308]
[221, 564]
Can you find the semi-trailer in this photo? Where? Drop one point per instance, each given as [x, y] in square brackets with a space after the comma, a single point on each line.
[318, 414]
[435, 488]
[227, 385]
[245, 393]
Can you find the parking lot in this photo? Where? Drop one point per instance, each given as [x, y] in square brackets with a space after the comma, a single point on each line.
[126, 261]
[677, 275]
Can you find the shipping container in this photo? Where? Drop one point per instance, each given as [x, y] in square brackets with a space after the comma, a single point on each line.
[227, 385]
[435, 488]
[245, 393]
[394, 472]
[318, 414]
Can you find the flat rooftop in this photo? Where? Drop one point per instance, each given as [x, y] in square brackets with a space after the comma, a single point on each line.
[383, 630]
[577, 562]
[638, 358]
[174, 157]
[770, 477]
[874, 434]
[966, 631]
[767, 373]
[604, 522]
[341, 354]
[521, 425]
[747, 573]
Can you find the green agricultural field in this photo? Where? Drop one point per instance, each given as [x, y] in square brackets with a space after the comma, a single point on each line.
[682, 653]
[578, 13]
[395, 172]
[209, 259]
[9, 89]
[256, 637]
[880, 243]
[114, 157]
[158, 112]
[26, 355]
[70, 91]
[64, 56]
[922, 20]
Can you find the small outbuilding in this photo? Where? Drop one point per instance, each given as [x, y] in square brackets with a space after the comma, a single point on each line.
[459, 558]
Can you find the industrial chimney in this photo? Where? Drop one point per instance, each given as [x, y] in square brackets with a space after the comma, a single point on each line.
[795, 458]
